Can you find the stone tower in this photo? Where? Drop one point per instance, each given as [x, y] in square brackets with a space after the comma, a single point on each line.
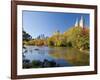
[79, 23]
[76, 23]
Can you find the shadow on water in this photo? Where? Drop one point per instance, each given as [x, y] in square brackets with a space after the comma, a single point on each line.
[44, 64]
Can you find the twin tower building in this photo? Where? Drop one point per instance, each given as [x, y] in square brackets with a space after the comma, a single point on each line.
[79, 23]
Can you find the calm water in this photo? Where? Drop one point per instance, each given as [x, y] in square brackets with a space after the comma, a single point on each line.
[61, 55]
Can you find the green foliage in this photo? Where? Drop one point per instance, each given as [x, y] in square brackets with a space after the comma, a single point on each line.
[76, 37]
[37, 42]
[36, 64]
[50, 41]
[57, 40]
[26, 36]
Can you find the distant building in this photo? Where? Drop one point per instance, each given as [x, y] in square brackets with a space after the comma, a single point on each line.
[79, 23]
[57, 32]
[42, 36]
[76, 23]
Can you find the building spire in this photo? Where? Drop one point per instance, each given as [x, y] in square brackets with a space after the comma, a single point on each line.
[76, 23]
[81, 23]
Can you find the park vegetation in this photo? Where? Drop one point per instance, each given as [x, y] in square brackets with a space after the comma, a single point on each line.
[76, 37]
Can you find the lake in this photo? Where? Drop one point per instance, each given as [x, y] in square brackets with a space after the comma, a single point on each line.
[43, 56]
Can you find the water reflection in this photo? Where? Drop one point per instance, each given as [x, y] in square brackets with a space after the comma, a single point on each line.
[52, 57]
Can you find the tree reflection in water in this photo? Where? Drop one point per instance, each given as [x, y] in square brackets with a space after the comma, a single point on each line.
[39, 64]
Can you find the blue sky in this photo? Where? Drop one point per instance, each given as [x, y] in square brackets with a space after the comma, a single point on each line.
[39, 22]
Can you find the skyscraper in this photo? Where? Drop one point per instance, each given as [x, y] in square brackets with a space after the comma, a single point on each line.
[79, 23]
[76, 23]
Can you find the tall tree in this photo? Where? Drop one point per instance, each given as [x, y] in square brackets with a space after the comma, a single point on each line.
[26, 36]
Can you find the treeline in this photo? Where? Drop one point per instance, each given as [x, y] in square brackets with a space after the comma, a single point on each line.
[76, 37]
